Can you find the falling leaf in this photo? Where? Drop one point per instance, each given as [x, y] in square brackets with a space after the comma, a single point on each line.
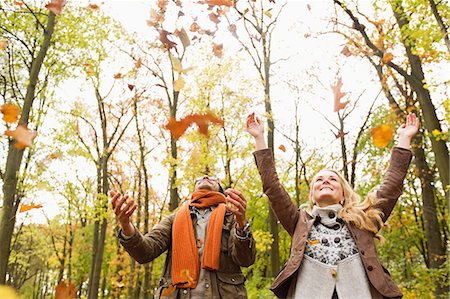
[165, 40]
[177, 128]
[93, 6]
[138, 63]
[340, 134]
[56, 6]
[23, 136]
[218, 50]
[65, 291]
[214, 18]
[7, 292]
[118, 76]
[194, 27]
[176, 63]
[381, 135]
[182, 35]
[308, 6]
[169, 290]
[282, 148]
[178, 84]
[54, 156]
[387, 57]
[346, 51]
[18, 3]
[307, 35]
[228, 3]
[268, 13]
[232, 28]
[130, 86]
[23, 207]
[3, 45]
[338, 95]
[11, 112]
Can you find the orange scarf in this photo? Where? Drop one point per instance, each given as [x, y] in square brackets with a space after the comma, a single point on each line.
[185, 259]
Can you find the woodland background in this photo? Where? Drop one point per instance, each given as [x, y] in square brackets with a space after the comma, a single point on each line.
[100, 96]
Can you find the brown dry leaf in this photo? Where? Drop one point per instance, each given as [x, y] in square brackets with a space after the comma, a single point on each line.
[340, 134]
[182, 35]
[93, 6]
[218, 50]
[23, 207]
[138, 63]
[162, 4]
[214, 18]
[11, 112]
[23, 136]
[194, 27]
[177, 128]
[387, 57]
[178, 84]
[381, 135]
[232, 28]
[282, 148]
[65, 291]
[118, 76]
[338, 95]
[3, 45]
[228, 3]
[130, 86]
[56, 6]
[307, 35]
[165, 40]
[346, 51]
[169, 290]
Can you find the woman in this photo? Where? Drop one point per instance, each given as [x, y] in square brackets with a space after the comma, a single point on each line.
[333, 253]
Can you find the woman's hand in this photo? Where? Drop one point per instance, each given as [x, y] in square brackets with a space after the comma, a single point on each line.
[123, 212]
[254, 125]
[407, 130]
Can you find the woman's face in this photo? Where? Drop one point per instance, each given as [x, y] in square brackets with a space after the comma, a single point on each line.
[327, 189]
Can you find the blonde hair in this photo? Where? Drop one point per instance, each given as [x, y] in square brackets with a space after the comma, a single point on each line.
[361, 214]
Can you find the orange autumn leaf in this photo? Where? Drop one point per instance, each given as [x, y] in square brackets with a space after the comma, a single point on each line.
[18, 3]
[118, 76]
[338, 95]
[23, 136]
[381, 135]
[194, 27]
[282, 148]
[165, 40]
[65, 291]
[138, 63]
[56, 6]
[387, 57]
[10, 113]
[228, 3]
[93, 6]
[3, 45]
[23, 207]
[169, 290]
[178, 128]
[340, 134]
[218, 50]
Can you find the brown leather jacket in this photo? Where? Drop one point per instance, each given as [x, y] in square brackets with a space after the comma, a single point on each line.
[298, 223]
[228, 282]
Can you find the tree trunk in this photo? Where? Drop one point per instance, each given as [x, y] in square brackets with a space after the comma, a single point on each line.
[443, 27]
[417, 81]
[14, 159]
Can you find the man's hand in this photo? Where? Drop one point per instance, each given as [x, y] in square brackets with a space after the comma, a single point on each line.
[123, 212]
[239, 207]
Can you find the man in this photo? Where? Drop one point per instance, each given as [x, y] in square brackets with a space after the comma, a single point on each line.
[206, 239]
